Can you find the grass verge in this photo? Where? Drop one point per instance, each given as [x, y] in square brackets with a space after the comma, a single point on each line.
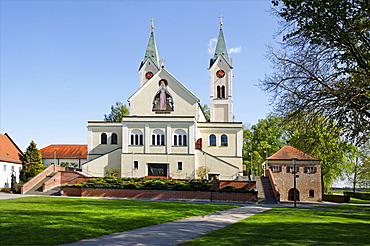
[289, 226]
[50, 221]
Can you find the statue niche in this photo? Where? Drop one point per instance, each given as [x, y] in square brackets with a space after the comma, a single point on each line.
[162, 102]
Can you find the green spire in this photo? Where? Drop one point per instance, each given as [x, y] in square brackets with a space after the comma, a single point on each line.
[221, 48]
[151, 51]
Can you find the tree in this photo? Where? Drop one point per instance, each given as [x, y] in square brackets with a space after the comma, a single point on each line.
[206, 111]
[31, 163]
[202, 171]
[324, 63]
[358, 173]
[262, 140]
[117, 112]
[322, 139]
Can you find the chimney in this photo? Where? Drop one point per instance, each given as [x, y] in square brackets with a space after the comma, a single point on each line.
[288, 143]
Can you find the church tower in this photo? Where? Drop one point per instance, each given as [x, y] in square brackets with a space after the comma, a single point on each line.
[221, 105]
[150, 65]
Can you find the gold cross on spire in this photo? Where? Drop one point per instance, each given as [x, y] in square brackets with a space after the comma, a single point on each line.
[221, 17]
[152, 21]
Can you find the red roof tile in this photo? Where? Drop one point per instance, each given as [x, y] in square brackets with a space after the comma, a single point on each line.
[9, 151]
[289, 152]
[65, 151]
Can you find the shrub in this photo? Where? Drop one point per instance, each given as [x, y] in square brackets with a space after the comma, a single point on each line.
[359, 195]
[7, 190]
[336, 198]
[143, 183]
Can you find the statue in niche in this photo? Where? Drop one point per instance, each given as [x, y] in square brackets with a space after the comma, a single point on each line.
[163, 101]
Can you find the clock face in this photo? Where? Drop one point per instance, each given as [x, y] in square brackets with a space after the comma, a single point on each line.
[220, 73]
[149, 75]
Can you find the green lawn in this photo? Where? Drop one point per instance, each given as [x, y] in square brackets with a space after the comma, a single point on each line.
[348, 207]
[294, 226]
[50, 221]
[357, 201]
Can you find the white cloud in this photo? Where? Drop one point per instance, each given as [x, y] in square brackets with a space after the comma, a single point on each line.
[212, 46]
[235, 50]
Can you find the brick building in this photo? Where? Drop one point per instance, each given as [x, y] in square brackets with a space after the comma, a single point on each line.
[280, 168]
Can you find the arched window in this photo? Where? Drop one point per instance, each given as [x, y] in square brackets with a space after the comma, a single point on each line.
[223, 140]
[179, 138]
[222, 91]
[103, 138]
[158, 137]
[212, 140]
[114, 139]
[136, 137]
[218, 92]
[311, 193]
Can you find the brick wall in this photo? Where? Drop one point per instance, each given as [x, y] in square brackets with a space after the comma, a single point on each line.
[162, 194]
[306, 182]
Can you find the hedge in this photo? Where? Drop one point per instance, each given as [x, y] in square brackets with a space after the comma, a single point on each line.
[359, 195]
[147, 184]
[336, 198]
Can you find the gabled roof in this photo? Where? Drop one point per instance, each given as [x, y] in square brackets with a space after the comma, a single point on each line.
[65, 151]
[171, 76]
[151, 52]
[289, 152]
[9, 151]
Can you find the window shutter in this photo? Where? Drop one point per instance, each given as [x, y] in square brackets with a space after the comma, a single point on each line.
[305, 169]
[279, 168]
[288, 169]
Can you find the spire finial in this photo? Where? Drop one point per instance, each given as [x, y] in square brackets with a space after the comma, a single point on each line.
[152, 21]
[221, 17]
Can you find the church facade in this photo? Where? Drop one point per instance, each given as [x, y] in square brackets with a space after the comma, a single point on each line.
[167, 133]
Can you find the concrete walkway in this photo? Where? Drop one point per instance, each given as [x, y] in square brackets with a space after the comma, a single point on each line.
[173, 233]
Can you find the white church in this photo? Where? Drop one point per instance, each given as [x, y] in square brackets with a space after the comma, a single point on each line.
[167, 134]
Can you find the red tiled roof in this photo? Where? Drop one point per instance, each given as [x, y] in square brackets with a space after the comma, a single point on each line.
[289, 152]
[9, 151]
[65, 151]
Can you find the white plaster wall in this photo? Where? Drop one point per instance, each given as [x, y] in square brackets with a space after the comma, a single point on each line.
[5, 173]
[184, 103]
[98, 166]
[145, 159]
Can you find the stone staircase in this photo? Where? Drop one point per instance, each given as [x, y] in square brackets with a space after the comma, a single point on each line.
[265, 193]
[37, 189]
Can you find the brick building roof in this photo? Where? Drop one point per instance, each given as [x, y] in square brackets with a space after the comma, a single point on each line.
[289, 152]
[65, 151]
[9, 151]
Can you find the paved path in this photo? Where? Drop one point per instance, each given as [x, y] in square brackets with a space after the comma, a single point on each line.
[173, 233]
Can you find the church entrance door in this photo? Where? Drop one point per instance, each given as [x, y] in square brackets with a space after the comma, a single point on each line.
[159, 170]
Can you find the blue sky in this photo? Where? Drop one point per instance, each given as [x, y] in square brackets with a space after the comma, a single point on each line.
[64, 63]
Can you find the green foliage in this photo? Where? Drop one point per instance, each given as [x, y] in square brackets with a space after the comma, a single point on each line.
[31, 163]
[6, 190]
[117, 112]
[69, 164]
[202, 171]
[115, 172]
[322, 139]
[358, 194]
[324, 62]
[206, 111]
[147, 184]
[336, 198]
[262, 140]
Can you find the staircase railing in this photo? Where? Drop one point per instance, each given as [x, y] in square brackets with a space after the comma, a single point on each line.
[35, 180]
[274, 187]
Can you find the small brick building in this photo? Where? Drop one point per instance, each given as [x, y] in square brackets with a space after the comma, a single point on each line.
[308, 170]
